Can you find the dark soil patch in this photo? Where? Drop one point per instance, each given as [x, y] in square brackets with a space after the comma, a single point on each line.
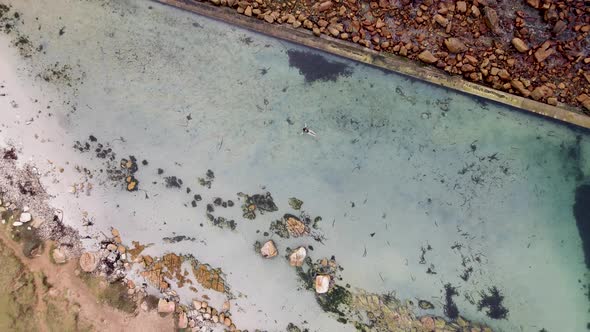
[315, 67]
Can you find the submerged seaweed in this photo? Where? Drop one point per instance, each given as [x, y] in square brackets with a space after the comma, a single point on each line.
[493, 302]
[450, 307]
[315, 67]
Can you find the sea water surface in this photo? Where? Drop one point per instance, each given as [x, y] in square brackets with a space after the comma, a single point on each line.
[417, 186]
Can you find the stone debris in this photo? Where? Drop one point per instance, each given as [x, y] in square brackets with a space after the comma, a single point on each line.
[268, 250]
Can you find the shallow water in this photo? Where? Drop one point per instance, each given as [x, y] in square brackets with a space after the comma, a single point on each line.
[398, 165]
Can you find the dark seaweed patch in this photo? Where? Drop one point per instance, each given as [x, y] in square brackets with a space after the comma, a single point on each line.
[315, 67]
[493, 302]
[450, 307]
[173, 181]
[582, 215]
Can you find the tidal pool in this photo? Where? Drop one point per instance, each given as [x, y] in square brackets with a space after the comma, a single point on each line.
[417, 186]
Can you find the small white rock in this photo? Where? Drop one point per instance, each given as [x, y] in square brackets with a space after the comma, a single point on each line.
[25, 209]
[17, 223]
[322, 283]
[25, 217]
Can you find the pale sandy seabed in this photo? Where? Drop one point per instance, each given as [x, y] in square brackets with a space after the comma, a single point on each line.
[414, 164]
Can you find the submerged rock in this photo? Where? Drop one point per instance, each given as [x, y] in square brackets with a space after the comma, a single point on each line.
[322, 283]
[262, 203]
[425, 305]
[268, 250]
[295, 226]
[297, 257]
[295, 203]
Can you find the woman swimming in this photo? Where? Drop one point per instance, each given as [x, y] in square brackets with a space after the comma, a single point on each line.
[308, 131]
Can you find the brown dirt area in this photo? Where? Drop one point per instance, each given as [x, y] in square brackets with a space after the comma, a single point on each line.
[36, 294]
[538, 49]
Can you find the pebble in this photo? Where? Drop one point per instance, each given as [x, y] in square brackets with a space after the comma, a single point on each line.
[25, 217]
[17, 223]
[520, 45]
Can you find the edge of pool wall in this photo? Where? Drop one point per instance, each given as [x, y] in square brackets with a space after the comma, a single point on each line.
[390, 62]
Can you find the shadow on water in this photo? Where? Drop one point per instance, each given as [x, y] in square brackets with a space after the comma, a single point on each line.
[582, 215]
[315, 67]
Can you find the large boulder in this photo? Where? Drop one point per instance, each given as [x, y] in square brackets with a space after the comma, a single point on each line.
[89, 261]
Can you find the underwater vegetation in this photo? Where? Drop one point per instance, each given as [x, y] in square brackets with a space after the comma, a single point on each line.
[492, 301]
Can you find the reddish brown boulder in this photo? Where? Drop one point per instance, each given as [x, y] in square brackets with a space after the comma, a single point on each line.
[325, 6]
[533, 3]
[427, 57]
[544, 51]
[541, 92]
[520, 45]
[467, 68]
[518, 85]
[584, 99]
[441, 20]
[461, 6]
[455, 45]
[491, 19]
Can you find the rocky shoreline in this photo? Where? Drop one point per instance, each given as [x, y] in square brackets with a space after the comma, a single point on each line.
[29, 220]
[535, 49]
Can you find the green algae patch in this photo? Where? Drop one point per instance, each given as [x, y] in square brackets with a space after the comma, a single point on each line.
[17, 294]
[335, 299]
[114, 294]
[295, 203]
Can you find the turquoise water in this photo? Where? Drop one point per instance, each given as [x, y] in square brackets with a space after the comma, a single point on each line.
[397, 164]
